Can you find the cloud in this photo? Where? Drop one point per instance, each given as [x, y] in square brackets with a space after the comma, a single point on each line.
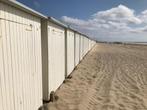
[118, 14]
[116, 22]
[139, 30]
[143, 16]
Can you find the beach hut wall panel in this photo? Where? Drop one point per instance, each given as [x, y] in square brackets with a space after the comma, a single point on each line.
[70, 51]
[45, 58]
[81, 47]
[77, 49]
[93, 43]
[86, 45]
[20, 59]
[56, 56]
[89, 44]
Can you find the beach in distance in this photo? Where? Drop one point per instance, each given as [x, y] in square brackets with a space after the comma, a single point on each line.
[111, 77]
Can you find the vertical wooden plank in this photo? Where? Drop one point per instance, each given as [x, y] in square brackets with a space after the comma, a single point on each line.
[50, 59]
[2, 75]
[34, 63]
[45, 62]
[35, 73]
[77, 48]
[74, 49]
[20, 58]
[10, 32]
[29, 66]
[19, 44]
[15, 60]
[25, 53]
[32, 74]
[1, 72]
[3, 80]
[6, 59]
[40, 97]
[39, 62]
[1, 64]
[65, 41]
[20, 63]
[81, 47]
[23, 66]
[25, 57]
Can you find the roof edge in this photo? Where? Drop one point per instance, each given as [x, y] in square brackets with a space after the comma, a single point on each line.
[23, 7]
[52, 19]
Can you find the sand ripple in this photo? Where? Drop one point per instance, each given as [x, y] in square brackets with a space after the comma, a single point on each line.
[111, 77]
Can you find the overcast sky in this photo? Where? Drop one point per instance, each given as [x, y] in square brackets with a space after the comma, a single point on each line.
[108, 20]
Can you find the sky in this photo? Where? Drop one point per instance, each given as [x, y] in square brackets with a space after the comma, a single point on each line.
[104, 20]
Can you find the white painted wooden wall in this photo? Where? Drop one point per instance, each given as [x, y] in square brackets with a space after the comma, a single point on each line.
[93, 43]
[86, 45]
[77, 49]
[89, 41]
[20, 60]
[81, 47]
[56, 56]
[70, 51]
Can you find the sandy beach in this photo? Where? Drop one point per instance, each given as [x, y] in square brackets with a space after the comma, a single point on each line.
[110, 77]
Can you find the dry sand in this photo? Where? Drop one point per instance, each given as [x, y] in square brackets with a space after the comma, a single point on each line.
[111, 77]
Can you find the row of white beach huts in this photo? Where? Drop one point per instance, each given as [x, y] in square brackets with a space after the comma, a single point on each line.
[37, 53]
